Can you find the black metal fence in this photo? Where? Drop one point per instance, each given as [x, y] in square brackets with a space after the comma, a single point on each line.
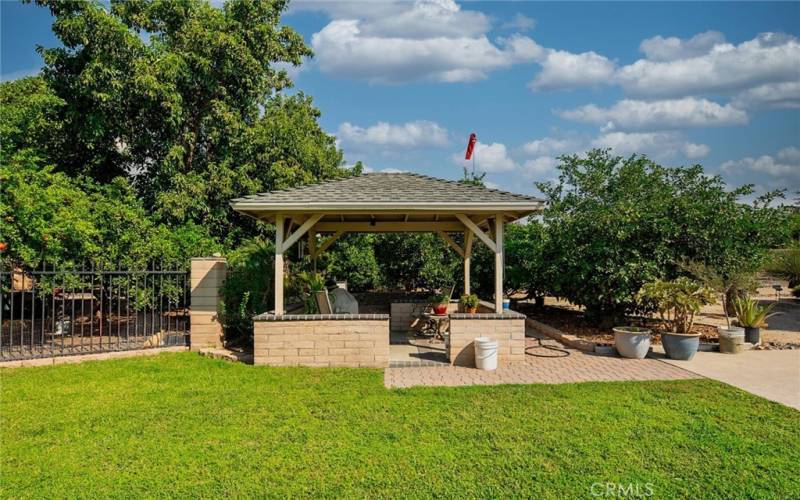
[55, 312]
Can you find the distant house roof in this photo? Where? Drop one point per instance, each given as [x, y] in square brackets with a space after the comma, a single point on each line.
[380, 194]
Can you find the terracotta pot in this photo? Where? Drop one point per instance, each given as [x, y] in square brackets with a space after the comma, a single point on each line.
[440, 308]
[472, 310]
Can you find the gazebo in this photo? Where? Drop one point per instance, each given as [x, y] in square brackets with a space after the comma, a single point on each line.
[388, 202]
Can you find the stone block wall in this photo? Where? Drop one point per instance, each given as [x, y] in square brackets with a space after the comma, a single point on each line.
[207, 276]
[324, 340]
[507, 328]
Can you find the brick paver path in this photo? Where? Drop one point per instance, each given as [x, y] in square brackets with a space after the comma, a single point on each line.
[577, 367]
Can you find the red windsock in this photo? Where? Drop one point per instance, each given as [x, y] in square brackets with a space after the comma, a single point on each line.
[471, 145]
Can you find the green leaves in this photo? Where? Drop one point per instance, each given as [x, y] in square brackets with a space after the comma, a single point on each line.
[613, 224]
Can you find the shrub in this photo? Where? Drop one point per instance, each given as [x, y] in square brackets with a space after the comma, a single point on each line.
[248, 288]
[786, 264]
[677, 301]
[616, 223]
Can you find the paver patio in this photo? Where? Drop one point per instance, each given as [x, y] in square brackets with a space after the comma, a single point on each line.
[578, 366]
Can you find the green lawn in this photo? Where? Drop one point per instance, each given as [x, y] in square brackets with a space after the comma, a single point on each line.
[183, 425]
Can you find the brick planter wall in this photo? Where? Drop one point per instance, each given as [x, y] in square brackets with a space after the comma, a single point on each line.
[507, 328]
[351, 340]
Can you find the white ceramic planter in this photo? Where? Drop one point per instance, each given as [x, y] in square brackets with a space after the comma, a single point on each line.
[632, 341]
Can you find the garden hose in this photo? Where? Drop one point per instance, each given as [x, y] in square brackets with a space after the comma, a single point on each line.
[562, 353]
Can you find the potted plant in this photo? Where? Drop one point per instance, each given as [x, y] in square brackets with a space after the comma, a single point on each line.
[469, 303]
[752, 316]
[677, 302]
[632, 341]
[439, 302]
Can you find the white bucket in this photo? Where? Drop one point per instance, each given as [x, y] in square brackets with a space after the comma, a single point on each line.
[485, 353]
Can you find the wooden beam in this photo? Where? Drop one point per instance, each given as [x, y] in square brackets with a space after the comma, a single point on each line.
[478, 232]
[291, 240]
[389, 227]
[446, 237]
[327, 243]
[279, 226]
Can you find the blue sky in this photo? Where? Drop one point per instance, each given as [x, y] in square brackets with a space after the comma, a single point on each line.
[402, 84]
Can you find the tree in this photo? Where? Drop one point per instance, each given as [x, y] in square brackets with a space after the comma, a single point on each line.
[616, 223]
[183, 97]
[29, 119]
[49, 216]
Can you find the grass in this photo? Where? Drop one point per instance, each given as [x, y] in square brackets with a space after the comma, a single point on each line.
[182, 425]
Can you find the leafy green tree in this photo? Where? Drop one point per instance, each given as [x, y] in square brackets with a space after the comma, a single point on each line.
[29, 119]
[50, 216]
[352, 258]
[616, 223]
[183, 97]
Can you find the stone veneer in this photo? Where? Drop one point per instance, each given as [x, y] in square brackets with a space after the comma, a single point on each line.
[352, 340]
[508, 328]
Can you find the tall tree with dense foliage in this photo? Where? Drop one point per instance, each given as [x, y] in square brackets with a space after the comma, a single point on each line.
[183, 97]
[615, 223]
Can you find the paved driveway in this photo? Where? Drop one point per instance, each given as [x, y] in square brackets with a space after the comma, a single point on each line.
[773, 375]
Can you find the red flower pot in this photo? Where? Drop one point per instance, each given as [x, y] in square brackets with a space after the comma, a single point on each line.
[440, 308]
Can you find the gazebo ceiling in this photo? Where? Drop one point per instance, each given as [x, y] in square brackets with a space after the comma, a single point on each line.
[379, 199]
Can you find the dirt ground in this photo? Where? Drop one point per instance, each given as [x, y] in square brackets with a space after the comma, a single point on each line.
[783, 328]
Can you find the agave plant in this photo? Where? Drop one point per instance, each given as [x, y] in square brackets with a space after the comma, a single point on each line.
[751, 314]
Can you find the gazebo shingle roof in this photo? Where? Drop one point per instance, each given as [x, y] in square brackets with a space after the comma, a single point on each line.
[388, 188]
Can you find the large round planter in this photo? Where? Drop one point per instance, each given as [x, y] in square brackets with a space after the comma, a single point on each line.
[731, 340]
[752, 334]
[632, 342]
[682, 346]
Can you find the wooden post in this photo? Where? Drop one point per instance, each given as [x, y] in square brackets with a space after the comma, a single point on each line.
[279, 227]
[312, 248]
[498, 264]
[467, 259]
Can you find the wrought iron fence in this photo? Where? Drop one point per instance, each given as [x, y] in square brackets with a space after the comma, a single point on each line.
[54, 312]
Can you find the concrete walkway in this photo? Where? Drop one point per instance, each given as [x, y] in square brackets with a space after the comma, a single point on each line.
[774, 375]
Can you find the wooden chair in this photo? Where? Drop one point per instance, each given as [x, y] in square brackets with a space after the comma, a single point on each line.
[323, 301]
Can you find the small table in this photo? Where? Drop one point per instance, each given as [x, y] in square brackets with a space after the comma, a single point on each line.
[439, 320]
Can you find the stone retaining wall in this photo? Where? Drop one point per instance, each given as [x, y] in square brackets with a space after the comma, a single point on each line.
[352, 340]
[508, 328]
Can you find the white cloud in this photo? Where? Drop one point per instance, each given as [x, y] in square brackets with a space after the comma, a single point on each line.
[694, 151]
[565, 70]
[659, 48]
[657, 145]
[725, 68]
[388, 135]
[549, 146]
[658, 115]
[370, 170]
[785, 167]
[541, 168]
[489, 158]
[427, 40]
[520, 22]
[784, 95]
